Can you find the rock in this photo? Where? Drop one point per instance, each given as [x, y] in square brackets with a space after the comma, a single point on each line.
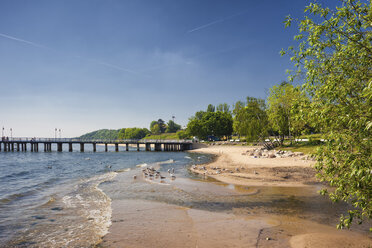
[299, 153]
[268, 238]
[272, 155]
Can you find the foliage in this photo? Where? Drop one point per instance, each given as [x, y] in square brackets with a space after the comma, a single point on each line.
[160, 126]
[133, 133]
[172, 127]
[155, 129]
[250, 119]
[211, 108]
[162, 136]
[218, 124]
[284, 104]
[101, 134]
[335, 56]
[223, 107]
[183, 134]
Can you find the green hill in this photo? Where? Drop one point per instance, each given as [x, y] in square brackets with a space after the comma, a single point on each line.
[101, 134]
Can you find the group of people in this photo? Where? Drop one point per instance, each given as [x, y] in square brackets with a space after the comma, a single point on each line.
[4, 139]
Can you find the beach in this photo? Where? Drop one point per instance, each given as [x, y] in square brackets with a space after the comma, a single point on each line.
[238, 200]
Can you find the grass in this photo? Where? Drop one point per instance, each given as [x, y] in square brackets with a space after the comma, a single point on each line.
[163, 136]
[301, 147]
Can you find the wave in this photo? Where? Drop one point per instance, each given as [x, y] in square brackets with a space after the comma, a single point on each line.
[16, 175]
[141, 165]
[123, 170]
[169, 161]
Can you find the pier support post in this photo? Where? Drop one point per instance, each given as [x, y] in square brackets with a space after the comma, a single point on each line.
[5, 147]
[25, 147]
[94, 147]
[0, 145]
[106, 149]
[127, 147]
[37, 147]
[138, 147]
[81, 147]
[148, 147]
[12, 145]
[45, 147]
[70, 147]
[116, 147]
[32, 147]
[59, 147]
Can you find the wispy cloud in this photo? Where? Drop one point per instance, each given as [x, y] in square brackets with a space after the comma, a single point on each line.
[216, 21]
[76, 56]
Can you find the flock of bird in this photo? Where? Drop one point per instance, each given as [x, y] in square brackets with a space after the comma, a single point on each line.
[151, 173]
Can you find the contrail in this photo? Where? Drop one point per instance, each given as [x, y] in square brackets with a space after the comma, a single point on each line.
[215, 22]
[76, 56]
[24, 41]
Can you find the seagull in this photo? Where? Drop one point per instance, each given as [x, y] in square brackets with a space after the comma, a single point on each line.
[162, 177]
[173, 177]
[134, 177]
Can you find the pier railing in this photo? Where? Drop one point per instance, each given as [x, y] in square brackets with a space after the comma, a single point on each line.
[77, 140]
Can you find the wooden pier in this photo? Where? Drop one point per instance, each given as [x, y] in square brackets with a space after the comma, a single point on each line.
[33, 144]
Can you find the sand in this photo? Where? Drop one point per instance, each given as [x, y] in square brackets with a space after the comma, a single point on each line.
[141, 223]
[236, 168]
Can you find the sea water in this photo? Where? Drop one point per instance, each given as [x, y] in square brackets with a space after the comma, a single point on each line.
[55, 199]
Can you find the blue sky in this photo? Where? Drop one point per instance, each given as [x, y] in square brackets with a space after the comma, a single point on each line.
[83, 65]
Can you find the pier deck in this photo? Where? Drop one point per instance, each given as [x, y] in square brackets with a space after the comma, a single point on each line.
[33, 144]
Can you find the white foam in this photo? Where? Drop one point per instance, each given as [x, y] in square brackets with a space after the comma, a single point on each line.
[169, 161]
[141, 165]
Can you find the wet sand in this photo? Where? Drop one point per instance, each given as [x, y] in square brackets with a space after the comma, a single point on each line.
[236, 210]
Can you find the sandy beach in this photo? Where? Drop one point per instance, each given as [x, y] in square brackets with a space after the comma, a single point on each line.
[252, 202]
[234, 165]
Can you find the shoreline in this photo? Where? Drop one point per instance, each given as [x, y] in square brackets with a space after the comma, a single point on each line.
[232, 165]
[153, 223]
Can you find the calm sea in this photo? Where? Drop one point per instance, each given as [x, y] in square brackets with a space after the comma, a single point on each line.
[63, 199]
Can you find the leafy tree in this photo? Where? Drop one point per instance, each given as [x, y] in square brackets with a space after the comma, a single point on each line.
[161, 125]
[199, 115]
[155, 129]
[121, 133]
[183, 134]
[218, 124]
[172, 127]
[152, 124]
[335, 58]
[223, 107]
[211, 108]
[133, 133]
[251, 120]
[282, 106]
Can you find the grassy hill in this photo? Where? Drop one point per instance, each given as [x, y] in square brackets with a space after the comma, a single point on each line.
[101, 134]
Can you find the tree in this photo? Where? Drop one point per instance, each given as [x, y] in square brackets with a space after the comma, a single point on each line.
[282, 102]
[223, 107]
[211, 108]
[218, 124]
[133, 133]
[155, 129]
[335, 58]
[172, 127]
[161, 125]
[251, 120]
[183, 134]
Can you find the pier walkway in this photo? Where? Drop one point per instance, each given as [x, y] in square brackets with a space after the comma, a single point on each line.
[33, 144]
